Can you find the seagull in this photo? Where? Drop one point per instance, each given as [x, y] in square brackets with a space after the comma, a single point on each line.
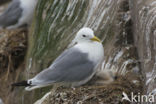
[19, 13]
[74, 67]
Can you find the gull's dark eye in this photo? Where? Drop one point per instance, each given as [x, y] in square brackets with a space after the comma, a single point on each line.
[84, 35]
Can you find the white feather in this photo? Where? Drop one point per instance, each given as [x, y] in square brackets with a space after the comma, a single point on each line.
[28, 7]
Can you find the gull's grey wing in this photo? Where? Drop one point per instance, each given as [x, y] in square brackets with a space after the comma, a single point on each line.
[11, 15]
[70, 66]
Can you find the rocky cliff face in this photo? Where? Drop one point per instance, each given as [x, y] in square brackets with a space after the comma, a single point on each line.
[144, 32]
[127, 30]
[3, 1]
[112, 22]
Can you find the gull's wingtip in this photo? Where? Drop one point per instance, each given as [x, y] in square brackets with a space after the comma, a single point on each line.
[22, 83]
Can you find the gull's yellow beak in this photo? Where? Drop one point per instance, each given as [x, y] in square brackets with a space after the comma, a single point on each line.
[95, 39]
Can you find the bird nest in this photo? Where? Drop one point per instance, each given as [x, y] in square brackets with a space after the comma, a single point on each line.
[12, 49]
[97, 94]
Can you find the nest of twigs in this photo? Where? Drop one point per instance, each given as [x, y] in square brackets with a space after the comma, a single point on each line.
[13, 45]
[97, 94]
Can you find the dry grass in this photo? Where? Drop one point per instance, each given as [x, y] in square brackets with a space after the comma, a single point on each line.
[13, 45]
[12, 49]
[97, 94]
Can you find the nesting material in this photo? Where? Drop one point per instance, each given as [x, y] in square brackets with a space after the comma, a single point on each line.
[13, 45]
[97, 94]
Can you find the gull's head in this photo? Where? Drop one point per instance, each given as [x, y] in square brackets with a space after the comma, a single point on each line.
[86, 35]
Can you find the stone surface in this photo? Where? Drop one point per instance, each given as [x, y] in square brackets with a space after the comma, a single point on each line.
[127, 29]
[144, 26]
[4, 1]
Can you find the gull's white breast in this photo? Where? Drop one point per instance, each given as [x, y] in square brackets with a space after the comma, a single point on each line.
[28, 7]
[94, 50]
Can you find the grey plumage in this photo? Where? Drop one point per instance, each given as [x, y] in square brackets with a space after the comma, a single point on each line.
[70, 66]
[11, 15]
[74, 67]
